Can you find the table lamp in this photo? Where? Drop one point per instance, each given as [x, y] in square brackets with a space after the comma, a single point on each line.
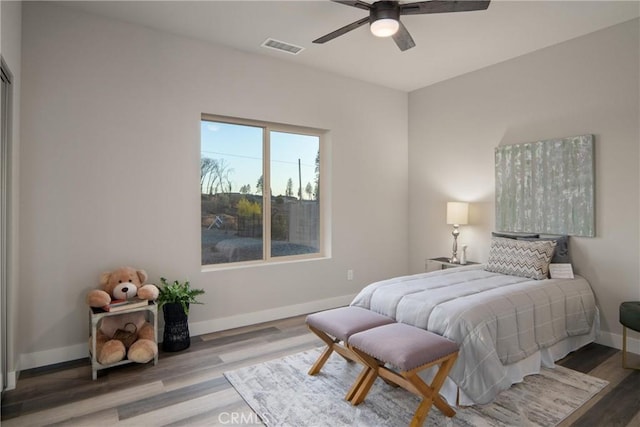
[457, 214]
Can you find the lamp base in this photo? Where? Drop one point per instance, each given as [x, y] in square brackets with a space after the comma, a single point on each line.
[454, 256]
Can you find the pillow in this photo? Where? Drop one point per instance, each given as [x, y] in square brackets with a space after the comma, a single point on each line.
[522, 258]
[561, 254]
[513, 234]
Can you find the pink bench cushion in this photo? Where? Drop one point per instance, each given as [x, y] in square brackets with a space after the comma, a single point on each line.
[403, 346]
[345, 321]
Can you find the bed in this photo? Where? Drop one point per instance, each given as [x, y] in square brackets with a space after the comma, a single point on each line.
[508, 326]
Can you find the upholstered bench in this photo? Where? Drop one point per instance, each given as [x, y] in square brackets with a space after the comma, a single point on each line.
[408, 350]
[629, 318]
[337, 325]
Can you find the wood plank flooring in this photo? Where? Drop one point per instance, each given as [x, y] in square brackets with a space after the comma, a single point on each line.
[187, 388]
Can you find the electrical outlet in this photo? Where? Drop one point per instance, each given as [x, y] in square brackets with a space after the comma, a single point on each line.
[349, 274]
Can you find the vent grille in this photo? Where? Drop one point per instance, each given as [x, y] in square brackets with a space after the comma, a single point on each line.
[282, 46]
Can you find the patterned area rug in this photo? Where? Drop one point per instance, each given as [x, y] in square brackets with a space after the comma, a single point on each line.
[282, 394]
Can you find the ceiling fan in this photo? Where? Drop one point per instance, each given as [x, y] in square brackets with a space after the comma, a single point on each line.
[384, 17]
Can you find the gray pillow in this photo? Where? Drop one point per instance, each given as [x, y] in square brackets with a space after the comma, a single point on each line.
[513, 234]
[561, 254]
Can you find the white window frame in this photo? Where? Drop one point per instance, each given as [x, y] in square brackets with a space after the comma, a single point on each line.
[268, 127]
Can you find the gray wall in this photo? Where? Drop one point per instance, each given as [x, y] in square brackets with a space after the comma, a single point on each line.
[586, 85]
[110, 174]
[110, 152]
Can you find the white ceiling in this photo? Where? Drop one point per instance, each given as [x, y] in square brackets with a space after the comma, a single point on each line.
[447, 45]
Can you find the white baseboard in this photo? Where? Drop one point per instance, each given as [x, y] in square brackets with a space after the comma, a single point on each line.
[224, 323]
[55, 355]
[79, 351]
[615, 340]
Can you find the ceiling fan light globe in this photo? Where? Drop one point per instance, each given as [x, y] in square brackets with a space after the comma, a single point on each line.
[384, 27]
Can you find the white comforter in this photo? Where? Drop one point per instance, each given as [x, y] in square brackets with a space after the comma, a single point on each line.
[496, 319]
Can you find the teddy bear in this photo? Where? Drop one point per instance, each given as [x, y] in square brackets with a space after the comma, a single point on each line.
[124, 283]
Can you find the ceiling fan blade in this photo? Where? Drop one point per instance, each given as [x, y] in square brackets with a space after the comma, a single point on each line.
[355, 3]
[403, 39]
[340, 31]
[442, 6]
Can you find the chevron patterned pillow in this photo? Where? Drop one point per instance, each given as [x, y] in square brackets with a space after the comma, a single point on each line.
[520, 257]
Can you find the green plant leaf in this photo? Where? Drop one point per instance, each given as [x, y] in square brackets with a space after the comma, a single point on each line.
[180, 293]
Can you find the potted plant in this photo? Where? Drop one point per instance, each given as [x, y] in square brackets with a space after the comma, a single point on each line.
[174, 299]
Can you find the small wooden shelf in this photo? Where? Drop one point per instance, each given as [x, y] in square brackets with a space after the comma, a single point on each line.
[95, 317]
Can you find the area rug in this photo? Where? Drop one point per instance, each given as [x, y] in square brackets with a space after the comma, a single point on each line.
[282, 394]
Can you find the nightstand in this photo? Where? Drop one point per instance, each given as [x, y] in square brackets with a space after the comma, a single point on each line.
[443, 263]
[95, 317]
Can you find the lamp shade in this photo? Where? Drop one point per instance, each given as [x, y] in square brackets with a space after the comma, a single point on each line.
[457, 213]
[384, 27]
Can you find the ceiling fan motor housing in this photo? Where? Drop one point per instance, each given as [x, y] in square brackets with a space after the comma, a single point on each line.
[384, 10]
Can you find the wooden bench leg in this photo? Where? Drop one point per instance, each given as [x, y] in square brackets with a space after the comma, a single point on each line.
[363, 389]
[437, 383]
[409, 380]
[421, 413]
[431, 393]
[332, 345]
[433, 390]
[319, 363]
[367, 377]
[371, 372]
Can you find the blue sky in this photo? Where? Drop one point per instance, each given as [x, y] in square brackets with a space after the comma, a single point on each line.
[240, 147]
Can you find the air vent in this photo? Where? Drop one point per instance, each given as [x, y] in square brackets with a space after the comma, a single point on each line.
[282, 46]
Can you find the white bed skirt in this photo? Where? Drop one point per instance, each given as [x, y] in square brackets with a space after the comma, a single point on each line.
[517, 371]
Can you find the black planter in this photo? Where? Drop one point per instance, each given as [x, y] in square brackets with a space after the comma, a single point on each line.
[176, 328]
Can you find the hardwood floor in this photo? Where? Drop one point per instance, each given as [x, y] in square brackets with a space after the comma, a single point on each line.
[188, 388]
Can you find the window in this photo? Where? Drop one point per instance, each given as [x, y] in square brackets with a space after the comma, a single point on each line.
[260, 191]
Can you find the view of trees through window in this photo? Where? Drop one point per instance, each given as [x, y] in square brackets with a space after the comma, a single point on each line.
[240, 219]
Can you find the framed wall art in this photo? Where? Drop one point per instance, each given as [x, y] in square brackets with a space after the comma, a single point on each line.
[546, 186]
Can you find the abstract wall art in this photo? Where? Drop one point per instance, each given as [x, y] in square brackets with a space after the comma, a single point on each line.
[546, 186]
